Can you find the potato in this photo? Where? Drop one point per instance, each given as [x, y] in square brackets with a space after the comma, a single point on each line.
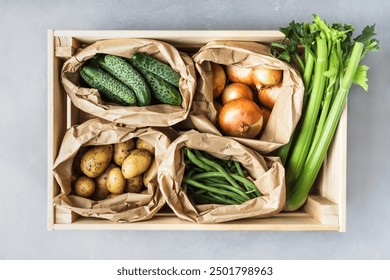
[142, 145]
[84, 186]
[116, 183]
[134, 185]
[76, 170]
[136, 163]
[101, 191]
[122, 150]
[95, 161]
[150, 173]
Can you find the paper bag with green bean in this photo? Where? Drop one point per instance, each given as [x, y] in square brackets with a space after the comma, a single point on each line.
[207, 178]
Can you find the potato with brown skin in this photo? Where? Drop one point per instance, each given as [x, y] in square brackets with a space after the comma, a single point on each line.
[136, 163]
[134, 185]
[122, 150]
[76, 170]
[101, 191]
[142, 145]
[95, 161]
[150, 173]
[84, 186]
[116, 183]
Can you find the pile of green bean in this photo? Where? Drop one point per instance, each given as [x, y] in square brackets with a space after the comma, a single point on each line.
[211, 180]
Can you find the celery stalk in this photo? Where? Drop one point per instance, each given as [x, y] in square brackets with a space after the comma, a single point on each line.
[325, 95]
[297, 194]
[299, 153]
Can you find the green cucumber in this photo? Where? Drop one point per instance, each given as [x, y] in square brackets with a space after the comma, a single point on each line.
[161, 89]
[162, 70]
[120, 69]
[109, 88]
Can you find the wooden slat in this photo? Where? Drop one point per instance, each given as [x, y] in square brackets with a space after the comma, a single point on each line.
[66, 46]
[56, 123]
[50, 124]
[64, 215]
[277, 223]
[323, 210]
[177, 37]
[72, 113]
[332, 181]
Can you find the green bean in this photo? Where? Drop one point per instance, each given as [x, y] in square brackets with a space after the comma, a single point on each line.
[223, 200]
[220, 169]
[214, 179]
[238, 166]
[231, 166]
[197, 192]
[212, 198]
[197, 161]
[201, 199]
[233, 189]
[247, 183]
[250, 192]
[210, 157]
[213, 175]
[188, 175]
[199, 155]
[214, 190]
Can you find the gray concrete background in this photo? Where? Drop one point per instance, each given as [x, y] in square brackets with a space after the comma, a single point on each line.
[23, 102]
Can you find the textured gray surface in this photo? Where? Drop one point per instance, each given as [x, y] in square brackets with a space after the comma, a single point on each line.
[23, 100]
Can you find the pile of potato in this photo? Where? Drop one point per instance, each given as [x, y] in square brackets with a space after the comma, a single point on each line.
[108, 170]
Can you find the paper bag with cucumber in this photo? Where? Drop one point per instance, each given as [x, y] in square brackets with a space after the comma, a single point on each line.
[136, 82]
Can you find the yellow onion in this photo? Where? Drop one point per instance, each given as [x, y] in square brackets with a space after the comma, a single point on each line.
[234, 91]
[241, 118]
[239, 74]
[218, 107]
[263, 77]
[266, 114]
[269, 95]
[219, 79]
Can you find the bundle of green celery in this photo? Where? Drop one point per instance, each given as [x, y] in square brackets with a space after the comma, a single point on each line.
[330, 64]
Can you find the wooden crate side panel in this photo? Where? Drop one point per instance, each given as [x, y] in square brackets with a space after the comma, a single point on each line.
[72, 114]
[56, 121]
[50, 124]
[333, 180]
[299, 222]
[176, 37]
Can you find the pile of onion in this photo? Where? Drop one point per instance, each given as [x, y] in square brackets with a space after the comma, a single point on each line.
[247, 100]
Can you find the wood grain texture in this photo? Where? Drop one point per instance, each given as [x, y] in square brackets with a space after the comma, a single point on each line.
[66, 46]
[325, 209]
[298, 222]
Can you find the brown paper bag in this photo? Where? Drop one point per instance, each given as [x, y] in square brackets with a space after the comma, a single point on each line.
[89, 100]
[127, 207]
[286, 112]
[268, 175]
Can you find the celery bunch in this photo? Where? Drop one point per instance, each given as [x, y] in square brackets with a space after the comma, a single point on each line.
[330, 65]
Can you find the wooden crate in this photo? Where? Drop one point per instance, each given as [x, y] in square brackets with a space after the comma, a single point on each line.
[325, 209]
